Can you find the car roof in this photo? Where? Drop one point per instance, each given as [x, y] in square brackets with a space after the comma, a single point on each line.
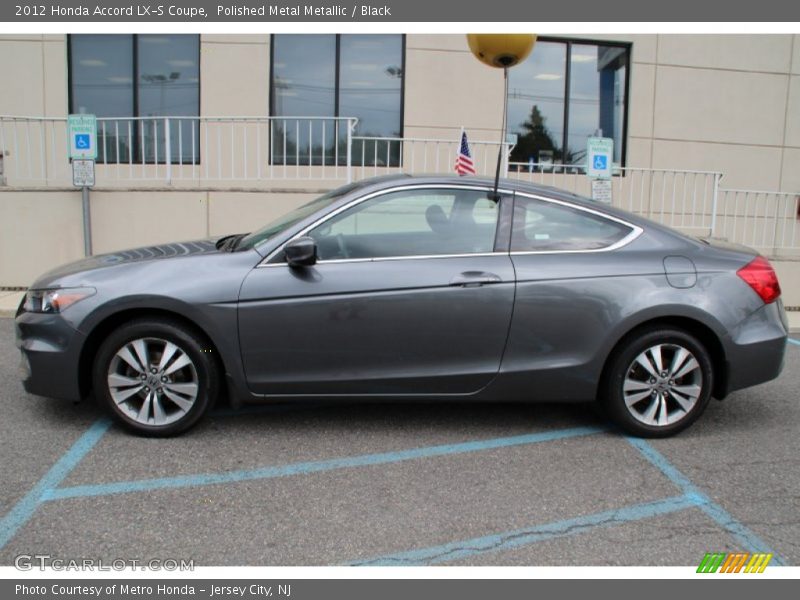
[389, 181]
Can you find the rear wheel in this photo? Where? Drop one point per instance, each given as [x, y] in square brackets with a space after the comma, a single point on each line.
[156, 377]
[659, 382]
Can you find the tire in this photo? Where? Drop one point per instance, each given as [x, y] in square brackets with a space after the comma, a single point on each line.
[169, 394]
[649, 401]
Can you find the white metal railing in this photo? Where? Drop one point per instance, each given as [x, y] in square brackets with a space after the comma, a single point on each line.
[678, 198]
[375, 156]
[183, 149]
[227, 151]
[768, 221]
[147, 150]
[33, 149]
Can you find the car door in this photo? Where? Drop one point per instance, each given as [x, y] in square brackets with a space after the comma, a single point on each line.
[412, 294]
[575, 275]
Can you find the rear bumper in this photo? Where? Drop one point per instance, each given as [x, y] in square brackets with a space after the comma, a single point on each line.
[50, 353]
[756, 351]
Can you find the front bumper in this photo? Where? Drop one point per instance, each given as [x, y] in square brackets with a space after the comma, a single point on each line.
[50, 349]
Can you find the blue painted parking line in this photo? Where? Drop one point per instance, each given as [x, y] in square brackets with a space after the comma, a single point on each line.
[510, 540]
[795, 342]
[305, 468]
[749, 540]
[24, 509]
[691, 497]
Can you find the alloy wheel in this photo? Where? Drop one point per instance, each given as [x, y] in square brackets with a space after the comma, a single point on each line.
[153, 381]
[662, 385]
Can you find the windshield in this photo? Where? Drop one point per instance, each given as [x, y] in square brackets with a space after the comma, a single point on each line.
[292, 217]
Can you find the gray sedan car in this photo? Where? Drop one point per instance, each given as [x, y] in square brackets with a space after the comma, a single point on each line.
[412, 288]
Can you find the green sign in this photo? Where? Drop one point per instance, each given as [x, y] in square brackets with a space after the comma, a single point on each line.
[82, 136]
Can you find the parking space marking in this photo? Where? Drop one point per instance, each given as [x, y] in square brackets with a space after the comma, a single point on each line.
[795, 342]
[509, 540]
[691, 497]
[305, 468]
[749, 540]
[24, 509]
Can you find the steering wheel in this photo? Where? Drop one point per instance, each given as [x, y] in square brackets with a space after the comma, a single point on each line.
[342, 248]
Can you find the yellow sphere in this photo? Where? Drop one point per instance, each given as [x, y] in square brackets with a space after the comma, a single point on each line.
[501, 50]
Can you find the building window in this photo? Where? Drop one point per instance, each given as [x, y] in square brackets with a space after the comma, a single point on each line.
[336, 76]
[132, 82]
[564, 93]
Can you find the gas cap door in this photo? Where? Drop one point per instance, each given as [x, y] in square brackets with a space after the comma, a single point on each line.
[681, 272]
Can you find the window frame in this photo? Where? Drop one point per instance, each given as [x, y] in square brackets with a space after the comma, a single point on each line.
[569, 42]
[337, 68]
[502, 236]
[136, 151]
[635, 232]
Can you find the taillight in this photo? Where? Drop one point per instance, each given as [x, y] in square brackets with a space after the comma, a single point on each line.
[760, 276]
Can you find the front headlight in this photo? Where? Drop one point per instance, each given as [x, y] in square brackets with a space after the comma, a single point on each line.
[54, 301]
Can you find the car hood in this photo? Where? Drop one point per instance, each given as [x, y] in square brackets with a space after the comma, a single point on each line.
[113, 259]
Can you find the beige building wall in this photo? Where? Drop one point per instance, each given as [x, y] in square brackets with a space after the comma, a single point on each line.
[42, 229]
[38, 231]
[719, 103]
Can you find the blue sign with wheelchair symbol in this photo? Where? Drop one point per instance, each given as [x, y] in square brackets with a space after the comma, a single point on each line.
[83, 141]
[600, 162]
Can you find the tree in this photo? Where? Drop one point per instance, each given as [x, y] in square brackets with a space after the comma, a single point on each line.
[537, 137]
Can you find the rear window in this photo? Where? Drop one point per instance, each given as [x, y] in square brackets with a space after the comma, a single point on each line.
[547, 226]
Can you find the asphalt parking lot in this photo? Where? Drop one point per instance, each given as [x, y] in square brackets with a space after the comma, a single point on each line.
[400, 484]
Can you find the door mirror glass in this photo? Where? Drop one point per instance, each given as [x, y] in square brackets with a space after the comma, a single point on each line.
[301, 252]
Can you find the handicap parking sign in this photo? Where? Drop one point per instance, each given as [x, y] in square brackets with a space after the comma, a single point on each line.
[599, 153]
[600, 162]
[82, 141]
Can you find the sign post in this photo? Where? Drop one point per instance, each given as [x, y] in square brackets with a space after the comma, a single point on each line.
[82, 136]
[599, 157]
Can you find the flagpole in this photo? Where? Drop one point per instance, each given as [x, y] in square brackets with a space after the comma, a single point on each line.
[460, 137]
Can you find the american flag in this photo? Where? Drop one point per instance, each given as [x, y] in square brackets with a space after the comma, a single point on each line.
[464, 164]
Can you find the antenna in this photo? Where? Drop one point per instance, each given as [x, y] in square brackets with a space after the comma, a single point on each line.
[495, 195]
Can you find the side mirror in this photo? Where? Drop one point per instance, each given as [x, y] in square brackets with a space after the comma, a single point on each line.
[301, 252]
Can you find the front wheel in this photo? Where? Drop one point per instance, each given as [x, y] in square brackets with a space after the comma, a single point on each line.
[659, 382]
[156, 377]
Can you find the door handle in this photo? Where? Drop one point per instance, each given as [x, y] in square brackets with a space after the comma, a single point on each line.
[475, 279]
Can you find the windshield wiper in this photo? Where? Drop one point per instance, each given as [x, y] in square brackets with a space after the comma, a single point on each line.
[223, 241]
[228, 242]
[234, 241]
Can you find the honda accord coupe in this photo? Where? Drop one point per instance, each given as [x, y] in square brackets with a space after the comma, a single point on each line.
[412, 288]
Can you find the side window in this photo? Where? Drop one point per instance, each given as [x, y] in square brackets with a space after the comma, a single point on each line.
[543, 226]
[411, 223]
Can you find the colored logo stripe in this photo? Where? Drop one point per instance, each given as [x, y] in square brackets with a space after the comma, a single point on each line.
[711, 562]
[758, 563]
[733, 563]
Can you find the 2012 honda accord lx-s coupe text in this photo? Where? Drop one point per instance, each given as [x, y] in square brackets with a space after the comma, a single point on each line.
[413, 288]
